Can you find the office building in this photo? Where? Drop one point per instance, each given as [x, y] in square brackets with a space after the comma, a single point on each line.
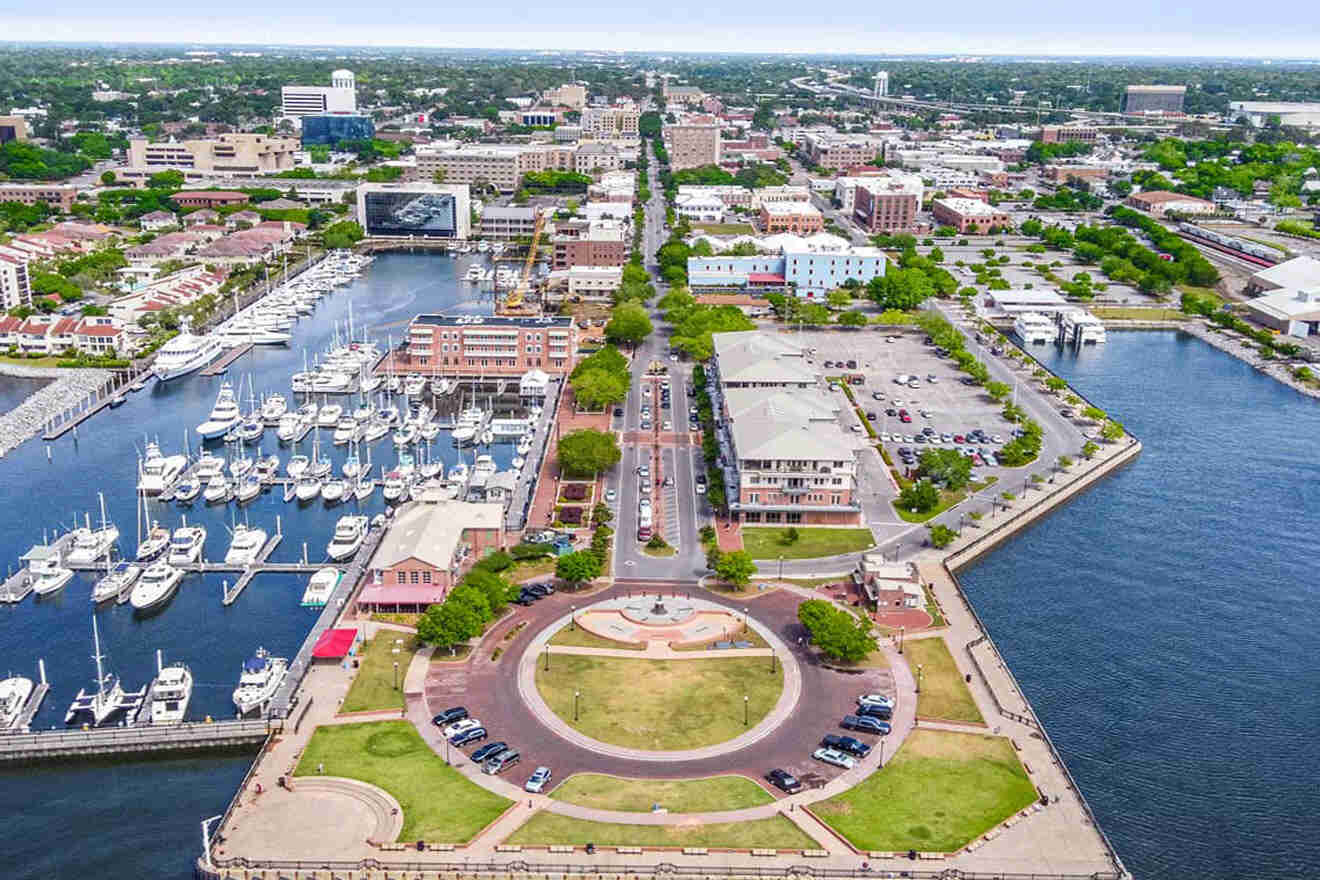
[500, 166]
[1066, 173]
[570, 95]
[602, 243]
[486, 345]
[692, 145]
[415, 210]
[507, 223]
[13, 128]
[969, 215]
[810, 266]
[611, 123]
[589, 158]
[1157, 203]
[61, 198]
[1254, 113]
[597, 283]
[1067, 134]
[800, 218]
[1154, 99]
[339, 97]
[223, 154]
[208, 198]
[886, 205]
[327, 130]
[15, 289]
[836, 152]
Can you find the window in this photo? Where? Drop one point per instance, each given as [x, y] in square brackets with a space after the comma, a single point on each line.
[426, 577]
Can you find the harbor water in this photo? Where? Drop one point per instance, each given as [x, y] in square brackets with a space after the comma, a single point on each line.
[15, 389]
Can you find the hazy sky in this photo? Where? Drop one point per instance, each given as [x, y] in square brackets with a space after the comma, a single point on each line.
[1277, 28]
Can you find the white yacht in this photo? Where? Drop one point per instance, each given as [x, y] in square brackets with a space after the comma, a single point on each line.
[524, 444]
[171, 691]
[458, 473]
[273, 408]
[186, 544]
[217, 490]
[47, 571]
[484, 466]
[320, 587]
[156, 587]
[245, 546]
[296, 465]
[376, 429]
[154, 543]
[394, 486]
[307, 488]
[414, 385]
[1033, 328]
[224, 415]
[405, 436]
[350, 532]
[291, 427]
[187, 489]
[261, 678]
[208, 466]
[345, 431]
[248, 488]
[363, 486]
[334, 490]
[89, 544]
[115, 581]
[16, 691]
[159, 472]
[328, 415]
[185, 353]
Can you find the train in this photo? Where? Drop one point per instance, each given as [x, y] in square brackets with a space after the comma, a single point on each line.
[1248, 251]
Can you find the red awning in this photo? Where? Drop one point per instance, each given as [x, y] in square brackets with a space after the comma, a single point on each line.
[402, 594]
[334, 644]
[764, 278]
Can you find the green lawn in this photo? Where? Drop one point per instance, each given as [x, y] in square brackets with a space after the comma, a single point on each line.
[373, 686]
[939, 792]
[776, 833]
[766, 542]
[726, 228]
[1137, 313]
[580, 638]
[438, 803]
[660, 704]
[747, 634]
[944, 694]
[708, 795]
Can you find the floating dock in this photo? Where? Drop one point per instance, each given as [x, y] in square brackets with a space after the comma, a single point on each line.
[219, 366]
[64, 744]
[18, 586]
[232, 593]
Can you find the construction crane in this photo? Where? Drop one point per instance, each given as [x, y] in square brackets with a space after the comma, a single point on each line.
[515, 301]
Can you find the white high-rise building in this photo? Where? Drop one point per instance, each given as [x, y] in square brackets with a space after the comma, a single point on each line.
[339, 97]
[14, 287]
[882, 84]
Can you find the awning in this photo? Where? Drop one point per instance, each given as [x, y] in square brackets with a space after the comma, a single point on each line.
[334, 644]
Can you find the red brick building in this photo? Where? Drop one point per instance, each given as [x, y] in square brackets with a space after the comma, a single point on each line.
[488, 345]
[968, 215]
[208, 198]
[887, 204]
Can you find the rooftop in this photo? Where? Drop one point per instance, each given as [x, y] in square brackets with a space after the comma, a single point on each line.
[494, 321]
[432, 532]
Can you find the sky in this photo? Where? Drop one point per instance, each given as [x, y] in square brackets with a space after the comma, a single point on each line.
[1277, 29]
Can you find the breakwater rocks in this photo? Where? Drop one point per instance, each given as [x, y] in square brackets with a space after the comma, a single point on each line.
[1245, 350]
[70, 388]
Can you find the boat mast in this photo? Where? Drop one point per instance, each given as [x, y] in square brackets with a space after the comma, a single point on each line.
[100, 675]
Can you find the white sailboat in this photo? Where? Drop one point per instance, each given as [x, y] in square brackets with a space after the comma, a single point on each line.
[108, 698]
[115, 581]
[89, 544]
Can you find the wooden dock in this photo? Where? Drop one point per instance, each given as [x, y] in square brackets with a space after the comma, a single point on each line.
[232, 593]
[18, 586]
[64, 744]
[33, 704]
[219, 366]
[110, 394]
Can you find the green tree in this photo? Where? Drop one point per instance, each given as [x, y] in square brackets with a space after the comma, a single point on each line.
[597, 389]
[1055, 384]
[1112, 431]
[852, 319]
[903, 289]
[448, 624]
[735, 567]
[108, 178]
[838, 299]
[587, 451]
[1094, 414]
[998, 391]
[838, 634]
[921, 496]
[948, 466]
[942, 536]
[1089, 449]
[577, 568]
[628, 324]
[492, 586]
[343, 234]
[171, 180]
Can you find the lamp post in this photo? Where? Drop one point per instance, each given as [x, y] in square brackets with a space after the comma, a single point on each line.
[547, 656]
[745, 710]
[744, 620]
[772, 661]
[573, 624]
[901, 631]
[396, 675]
[576, 694]
[781, 566]
[918, 678]
[882, 753]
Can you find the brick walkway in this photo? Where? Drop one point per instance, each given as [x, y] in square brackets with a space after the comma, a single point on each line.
[542, 512]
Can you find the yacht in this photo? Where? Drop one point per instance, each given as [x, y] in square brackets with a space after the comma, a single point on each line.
[224, 415]
[186, 544]
[108, 698]
[240, 465]
[458, 473]
[389, 414]
[428, 429]
[484, 466]
[171, 692]
[363, 487]
[208, 466]
[48, 574]
[345, 431]
[248, 488]
[524, 444]
[296, 465]
[405, 436]
[363, 413]
[474, 273]
[414, 385]
[517, 463]
[394, 486]
[307, 488]
[185, 353]
[217, 490]
[250, 430]
[273, 408]
[261, 678]
[350, 532]
[156, 587]
[115, 582]
[328, 415]
[321, 587]
[16, 691]
[266, 468]
[292, 426]
[159, 472]
[187, 489]
[89, 544]
[155, 543]
[245, 546]
[376, 429]
[334, 490]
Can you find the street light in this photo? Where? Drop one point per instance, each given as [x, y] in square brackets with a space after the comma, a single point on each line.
[744, 620]
[547, 656]
[573, 625]
[576, 694]
[396, 675]
[918, 678]
[882, 753]
[901, 631]
[745, 710]
[781, 566]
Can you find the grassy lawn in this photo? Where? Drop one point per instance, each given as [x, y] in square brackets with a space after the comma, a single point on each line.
[1122, 313]
[400, 618]
[666, 550]
[373, 686]
[453, 654]
[726, 228]
[947, 499]
[676, 795]
[660, 704]
[746, 635]
[939, 792]
[32, 362]
[438, 803]
[530, 569]
[776, 833]
[932, 608]
[579, 638]
[944, 694]
[767, 542]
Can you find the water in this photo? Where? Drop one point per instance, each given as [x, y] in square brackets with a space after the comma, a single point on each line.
[1164, 625]
[14, 390]
[149, 811]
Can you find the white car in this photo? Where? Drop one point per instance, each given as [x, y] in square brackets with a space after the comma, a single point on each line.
[611, 495]
[460, 726]
[946, 438]
[997, 438]
[701, 488]
[884, 437]
[837, 758]
[875, 700]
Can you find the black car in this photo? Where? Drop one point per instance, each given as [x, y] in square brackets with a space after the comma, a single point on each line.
[489, 750]
[784, 781]
[466, 737]
[870, 415]
[846, 744]
[891, 411]
[449, 716]
[525, 599]
[852, 365]
[701, 479]
[618, 411]
[542, 589]
[884, 713]
[864, 723]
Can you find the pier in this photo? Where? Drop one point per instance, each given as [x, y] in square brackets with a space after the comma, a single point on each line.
[109, 394]
[192, 736]
[232, 593]
[222, 364]
[18, 586]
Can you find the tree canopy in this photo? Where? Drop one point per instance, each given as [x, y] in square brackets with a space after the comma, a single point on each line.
[629, 323]
[587, 451]
[839, 634]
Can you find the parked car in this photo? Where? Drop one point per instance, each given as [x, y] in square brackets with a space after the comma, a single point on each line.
[875, 700]
[784, 781]
[865, 724]
[502, 761]
[488, 751]
[525, 599]
[884, 713]
[449, 716]
[611, 495]
[475, 734]
[537, 782]
[846, 744]
[618, 412]
[541, 589]
[838, 759]
[460, 726]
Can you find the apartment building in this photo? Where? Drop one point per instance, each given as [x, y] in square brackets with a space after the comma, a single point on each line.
[886, 205]
[600, 244]
[15, 288]
[496, 165]
[731, 195]
[1067, 134]
[13, 128]
[785, 457]
[339, 97]
[507, 224]
[968, 215]
[810, 266]
[800, 218]
[208, 198]
[58, 197]
[615, 122]
[570, 95]
[838, 153]
[486, 345]
[223, 154]
[692, 145]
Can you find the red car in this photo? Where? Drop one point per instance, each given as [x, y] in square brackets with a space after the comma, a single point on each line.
[904, 417]
[959, 438]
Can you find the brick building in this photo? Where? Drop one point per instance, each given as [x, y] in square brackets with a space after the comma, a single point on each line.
[801, 218]
[887, 204]
[486, 345]
[968, 215]
[58, 197]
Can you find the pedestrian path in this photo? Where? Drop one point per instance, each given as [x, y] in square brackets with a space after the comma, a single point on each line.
[657, 650]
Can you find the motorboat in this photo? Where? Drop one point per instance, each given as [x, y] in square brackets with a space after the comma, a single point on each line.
[171, 691]
[405, 436]
[321, 587]
[296, 465]
[440, 386]
[414, 385]
[458, 473]
[333, 490]
[389, 414]
[217, 490]
[330, 380]
[473, 273]
[524, 444]
[517, 462]
[186, 544]
[328, 415]
[240, 465]
[224, 415]
[115, 581]
[157, 586]
[261, 677]
[187, 489]
[364, 413]
[245, 545]
[158, 471]
[350, 532]
[484, 466]
[307, 488]
[376, 429]
[487, 437]
[428, 429]
[208, 466]
[463, 434]
[89, 544]
[346, 431]
[266, 468]
[250, 430]
[394, 486]
[96, 707]
[156, 541]
[15, 692]
[248, 488]
[273, 408]
[48, 573]
[363, 488]
[185, 353]
[291, 427]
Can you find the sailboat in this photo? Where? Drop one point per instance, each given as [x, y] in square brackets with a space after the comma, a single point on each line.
[109, 697]
[90, 544]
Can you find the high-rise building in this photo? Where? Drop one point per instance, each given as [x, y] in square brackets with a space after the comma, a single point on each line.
[882, 84]
[1154, 99]
[339, 97]
[619, 121]
[692, 145]
[328, 130]
[14, 286]
[570, 95]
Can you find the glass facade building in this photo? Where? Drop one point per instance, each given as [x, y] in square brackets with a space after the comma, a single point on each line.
[399, 212]
[326, 131]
